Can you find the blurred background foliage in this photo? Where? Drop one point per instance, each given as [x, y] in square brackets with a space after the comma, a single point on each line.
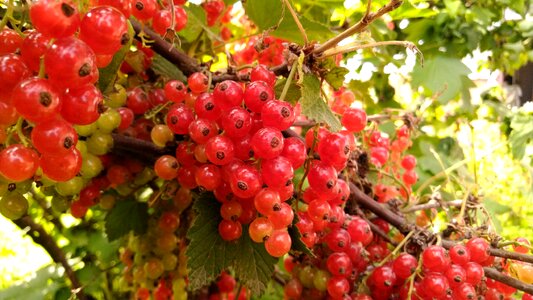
[473, 135]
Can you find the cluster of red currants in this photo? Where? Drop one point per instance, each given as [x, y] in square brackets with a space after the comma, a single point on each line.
[235, 148]
[439, 274]
[49, 81]
[390, 157]
[344, 248]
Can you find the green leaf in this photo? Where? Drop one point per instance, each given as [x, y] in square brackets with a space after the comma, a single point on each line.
[442, 75]
[196, 21]
[268, 14]
[108, 74]
[208, 254]
[335, 76]
[313, 106]
[264, 14]
[126, 216]
[163, 67]
[288, 30]
[293, 93]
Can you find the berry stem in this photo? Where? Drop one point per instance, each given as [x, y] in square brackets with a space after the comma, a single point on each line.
[288, 82]
[411, 278]
[20, 133]
[398, 248]
[354, 47]
[8, 15]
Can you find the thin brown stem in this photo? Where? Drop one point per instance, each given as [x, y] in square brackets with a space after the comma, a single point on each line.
[508, 280]
[432, 204]
[186, 64]
[297, 21]
[368, 18]
[41, 237]
[350, 48]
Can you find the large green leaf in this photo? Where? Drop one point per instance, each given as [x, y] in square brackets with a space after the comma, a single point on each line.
[442, 75]
[271, 14]
[313, 106]
[108, 74]
[126, 216]
[208, 254]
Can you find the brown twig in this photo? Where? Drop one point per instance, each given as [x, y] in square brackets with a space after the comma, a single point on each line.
[185, 63]
[41, 237]
[143, 149]
[368, 18]
[508, 280]
[371, 118]
[433, 204]
[350, 48]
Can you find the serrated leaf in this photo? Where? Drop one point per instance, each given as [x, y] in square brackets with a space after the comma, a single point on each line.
[107, 75]
[196, 20]
[267, 14]
[335, 76]
[208, 254]
[163, 67]
[444, 75]
[293, 93]
[126, 216]
[296, 238]
[313, 106]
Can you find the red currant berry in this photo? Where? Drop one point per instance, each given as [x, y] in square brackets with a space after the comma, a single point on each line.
[219, 150]
[55, 19]
[354, 119]
[54, 137]
[257, 94]
[104, 29]
[479, 250]
[262, 73]
[267, 143]
[82, 105]
[230, 230]
[36, 100]
[279, 243]
[61, 167]
[78, 63]
[18, 163]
